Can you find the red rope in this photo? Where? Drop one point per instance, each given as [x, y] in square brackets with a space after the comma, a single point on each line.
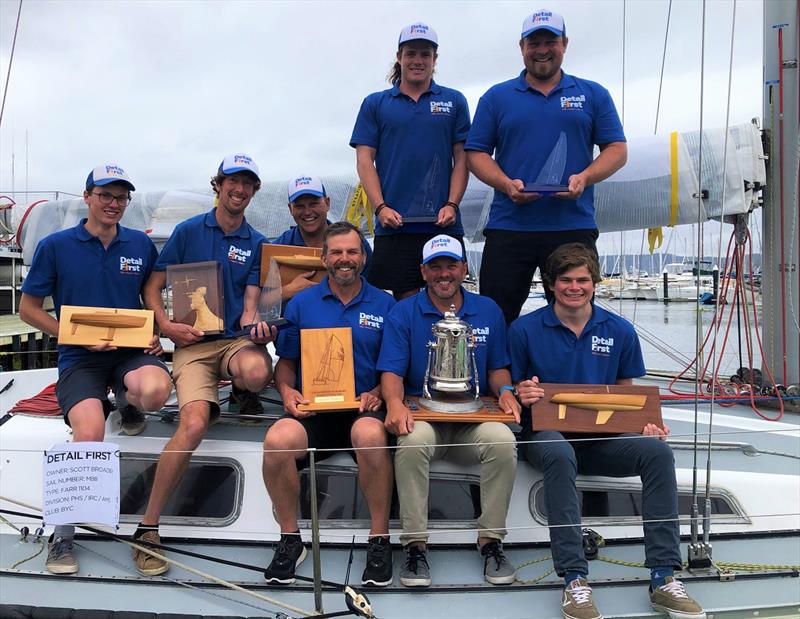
[43, 403]
[24, 218]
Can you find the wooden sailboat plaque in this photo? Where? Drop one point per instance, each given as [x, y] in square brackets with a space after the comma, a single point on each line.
[92, 326]
[326, 362]
[602, 409]
[292, 261]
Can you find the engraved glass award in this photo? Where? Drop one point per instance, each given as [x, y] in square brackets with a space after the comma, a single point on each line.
[550, 177]
[424, 208]
[269, 302]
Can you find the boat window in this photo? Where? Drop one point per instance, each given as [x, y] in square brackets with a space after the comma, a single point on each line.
[604, 501]
[453, 498]
[210, 493]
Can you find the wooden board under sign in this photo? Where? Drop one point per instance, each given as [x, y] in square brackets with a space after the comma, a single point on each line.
[490, 412]
[592, 416]
[292, 261]
[93, 326]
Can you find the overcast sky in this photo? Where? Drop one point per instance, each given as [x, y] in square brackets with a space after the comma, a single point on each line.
[167, 88]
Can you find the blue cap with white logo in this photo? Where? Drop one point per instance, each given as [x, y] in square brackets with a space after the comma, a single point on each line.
[543, 20]
[418, 32]
[107, 174]
[239, 162]
[305, 185]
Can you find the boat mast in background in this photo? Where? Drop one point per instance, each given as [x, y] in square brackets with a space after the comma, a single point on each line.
[781, 276]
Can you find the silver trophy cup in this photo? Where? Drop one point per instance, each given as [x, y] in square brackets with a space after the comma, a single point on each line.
[451, 375]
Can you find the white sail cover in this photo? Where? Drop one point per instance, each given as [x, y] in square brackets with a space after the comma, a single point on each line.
[637, 197]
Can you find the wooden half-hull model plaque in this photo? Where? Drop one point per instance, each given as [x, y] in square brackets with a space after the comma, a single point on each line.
[197, 295]
[600, 409]
[326, 360]
[93, 326]
[292, 261]
[489, 411]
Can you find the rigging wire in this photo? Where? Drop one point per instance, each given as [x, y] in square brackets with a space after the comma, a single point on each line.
[10, 62]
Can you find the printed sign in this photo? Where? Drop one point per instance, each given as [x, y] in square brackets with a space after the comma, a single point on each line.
[81, 483]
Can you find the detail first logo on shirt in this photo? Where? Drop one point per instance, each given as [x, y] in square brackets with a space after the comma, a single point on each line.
[130, 265]
[370, 321]
[602, 346]
[573, 103]
[237, 255]
[441, 107]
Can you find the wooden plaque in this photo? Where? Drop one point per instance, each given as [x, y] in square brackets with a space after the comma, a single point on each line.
[600, 409]
[490, 412]
[326, 361]
[197, 295]
[92, 326]
[292, 261]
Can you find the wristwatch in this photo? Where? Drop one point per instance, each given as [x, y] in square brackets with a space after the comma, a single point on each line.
[510, 388]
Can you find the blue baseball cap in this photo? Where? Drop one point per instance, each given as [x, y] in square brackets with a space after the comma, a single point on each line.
[239, 162]
[543, 20]
[305, 185]
[442, 246]
[107, 174]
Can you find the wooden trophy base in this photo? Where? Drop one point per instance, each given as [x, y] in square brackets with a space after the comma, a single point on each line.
[489, 410]
[597, 409]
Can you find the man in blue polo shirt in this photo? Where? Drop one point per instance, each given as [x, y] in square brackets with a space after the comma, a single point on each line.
[309, 205]
[342, 299]
[574, 341]
[520, 122]
[403, 361]
[200, 361]
[409, 143]
[98, 263]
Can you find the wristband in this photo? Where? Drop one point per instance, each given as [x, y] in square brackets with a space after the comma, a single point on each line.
[453, 204]
[382, 205]
[510, 388]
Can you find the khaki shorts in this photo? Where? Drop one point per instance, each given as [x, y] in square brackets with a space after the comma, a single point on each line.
[197, 370]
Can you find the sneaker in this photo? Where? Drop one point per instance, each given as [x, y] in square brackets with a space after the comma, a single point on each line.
[60, 558]
[132, 420]
[577, 601]
[288, 555]
[148, 565]
[244, 402]
[378, 571]
[496, 568]
[672, 600]
[415, 572]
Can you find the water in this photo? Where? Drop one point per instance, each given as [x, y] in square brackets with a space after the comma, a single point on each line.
[668, 334]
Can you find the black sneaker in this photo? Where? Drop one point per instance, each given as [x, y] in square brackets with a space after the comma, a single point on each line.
[132, 420]
[378, 571]
[244, 402]
[289, 553]
[415, 572]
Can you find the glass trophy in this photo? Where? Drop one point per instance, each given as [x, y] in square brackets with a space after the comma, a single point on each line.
[549, 179]
[269, 302]
[424, 208]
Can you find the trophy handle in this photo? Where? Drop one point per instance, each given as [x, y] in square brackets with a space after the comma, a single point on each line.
[426, 392]
[475, 374]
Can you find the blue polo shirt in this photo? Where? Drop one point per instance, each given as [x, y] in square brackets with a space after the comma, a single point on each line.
[607, 350]
[74, 268]
[200, 239]
[408, 330]
[520, 126]
[319, 308]
[414, 148]
[293, 236]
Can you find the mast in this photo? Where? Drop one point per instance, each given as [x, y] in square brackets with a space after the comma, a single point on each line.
[781, 231]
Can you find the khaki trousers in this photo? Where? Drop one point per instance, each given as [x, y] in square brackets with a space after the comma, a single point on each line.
[490, 443]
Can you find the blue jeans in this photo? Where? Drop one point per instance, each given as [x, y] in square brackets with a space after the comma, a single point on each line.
[560, 462]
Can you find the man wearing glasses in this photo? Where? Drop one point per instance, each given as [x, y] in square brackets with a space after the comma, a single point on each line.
[97, 263]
